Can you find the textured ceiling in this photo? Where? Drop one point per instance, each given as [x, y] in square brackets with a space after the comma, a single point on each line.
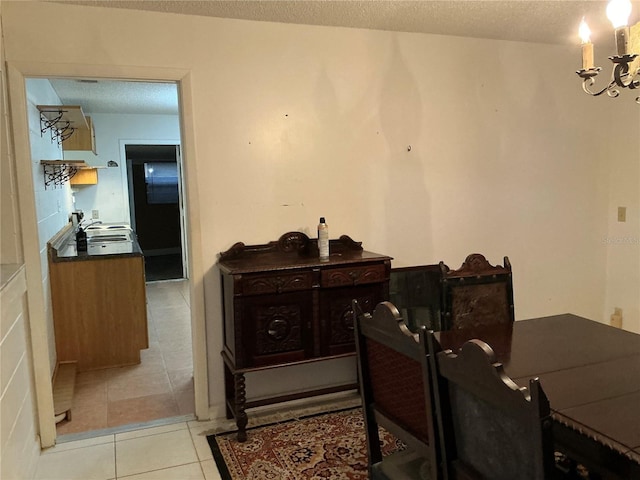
[540, 21]
[107, 96]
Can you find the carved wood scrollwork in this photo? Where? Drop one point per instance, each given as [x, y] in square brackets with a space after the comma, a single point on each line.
[279, 329]
[341, 318]
[293, 242]
[353, 276]
[476, 264]
[351, 244]
[277, 284]
[234, 251]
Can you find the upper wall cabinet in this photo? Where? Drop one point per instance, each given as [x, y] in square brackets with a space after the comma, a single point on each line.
[61, 121]
[83, 138]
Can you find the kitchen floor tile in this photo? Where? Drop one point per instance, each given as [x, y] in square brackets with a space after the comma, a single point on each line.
[186, 402]
[179, 360]
[181, 379]
[141, 409]
[152, 365]
[90, 393]
[142, 386]
[140, 393]
[85, 417]
[91, 377]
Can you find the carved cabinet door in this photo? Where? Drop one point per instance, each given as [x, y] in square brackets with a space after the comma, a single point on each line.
[277, 328]
[336, 315]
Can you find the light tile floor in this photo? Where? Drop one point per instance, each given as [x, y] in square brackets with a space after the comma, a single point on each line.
[159, 387]
[130, 449]
[177, 451]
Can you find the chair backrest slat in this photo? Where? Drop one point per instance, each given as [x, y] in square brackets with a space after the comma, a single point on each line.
[477, 293]
[491, 428]
[395, 385]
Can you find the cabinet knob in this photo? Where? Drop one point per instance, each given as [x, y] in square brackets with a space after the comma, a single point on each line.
[278, 329]
[354, 276]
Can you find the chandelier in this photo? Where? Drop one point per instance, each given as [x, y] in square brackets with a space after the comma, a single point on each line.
[626, 63]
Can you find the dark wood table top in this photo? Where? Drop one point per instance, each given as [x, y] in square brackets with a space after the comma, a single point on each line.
[589, 371]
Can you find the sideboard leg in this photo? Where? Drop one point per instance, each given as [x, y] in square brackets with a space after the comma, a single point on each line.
[240, 401]
[229, 392]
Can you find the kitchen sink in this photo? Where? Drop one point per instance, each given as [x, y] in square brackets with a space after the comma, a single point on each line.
[108, 232]
[109, 238]
[107, 227]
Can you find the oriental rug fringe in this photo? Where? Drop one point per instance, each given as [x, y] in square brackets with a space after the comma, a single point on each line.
[327, 446]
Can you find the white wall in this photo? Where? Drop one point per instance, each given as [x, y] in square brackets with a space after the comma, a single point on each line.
[508, 156]
[110, 197]
[53, 203]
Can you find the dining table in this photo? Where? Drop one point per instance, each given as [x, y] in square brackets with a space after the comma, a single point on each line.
[590, 373]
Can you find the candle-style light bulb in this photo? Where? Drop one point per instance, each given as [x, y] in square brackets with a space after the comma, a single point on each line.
[618, 12]
[585, 32]
[587, 46]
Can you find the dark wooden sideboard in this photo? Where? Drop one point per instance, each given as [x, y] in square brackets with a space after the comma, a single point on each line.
[283, 306]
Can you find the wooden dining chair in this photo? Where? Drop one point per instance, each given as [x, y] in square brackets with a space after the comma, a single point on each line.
[415, 292]
[396, 394]
[490, 428]
[477, 293]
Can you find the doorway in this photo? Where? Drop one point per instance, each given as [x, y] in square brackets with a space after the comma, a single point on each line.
[153, 178]
[38, 322]
[110, 207]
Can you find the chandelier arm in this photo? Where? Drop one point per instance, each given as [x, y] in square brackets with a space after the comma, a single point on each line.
[589, 81]
[635, 83]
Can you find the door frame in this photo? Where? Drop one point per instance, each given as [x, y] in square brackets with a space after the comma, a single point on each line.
[17, 72]
[127, 187]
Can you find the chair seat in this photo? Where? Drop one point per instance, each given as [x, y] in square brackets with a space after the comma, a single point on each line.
[403, 465]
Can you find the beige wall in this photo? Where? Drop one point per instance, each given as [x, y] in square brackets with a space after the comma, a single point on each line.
[507, 157]
[18, 431]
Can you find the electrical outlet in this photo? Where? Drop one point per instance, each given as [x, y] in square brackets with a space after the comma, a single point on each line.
[622, 214]
[95, 214]
[616, 318]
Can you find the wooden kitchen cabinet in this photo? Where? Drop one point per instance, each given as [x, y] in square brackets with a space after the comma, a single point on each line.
[85, 176]
[283, 306]
[99, 310]
[82, 139]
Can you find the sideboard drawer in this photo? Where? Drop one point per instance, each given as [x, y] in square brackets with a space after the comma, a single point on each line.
[278, 283]
[355, 275]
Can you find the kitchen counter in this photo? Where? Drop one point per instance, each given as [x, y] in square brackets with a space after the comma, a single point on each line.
[63, 247]
[98, 298]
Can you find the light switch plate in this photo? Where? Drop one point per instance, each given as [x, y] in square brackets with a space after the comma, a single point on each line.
[95, 214]
[622, 214]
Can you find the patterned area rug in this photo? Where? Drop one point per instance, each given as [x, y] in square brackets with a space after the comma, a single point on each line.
[328, 446]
